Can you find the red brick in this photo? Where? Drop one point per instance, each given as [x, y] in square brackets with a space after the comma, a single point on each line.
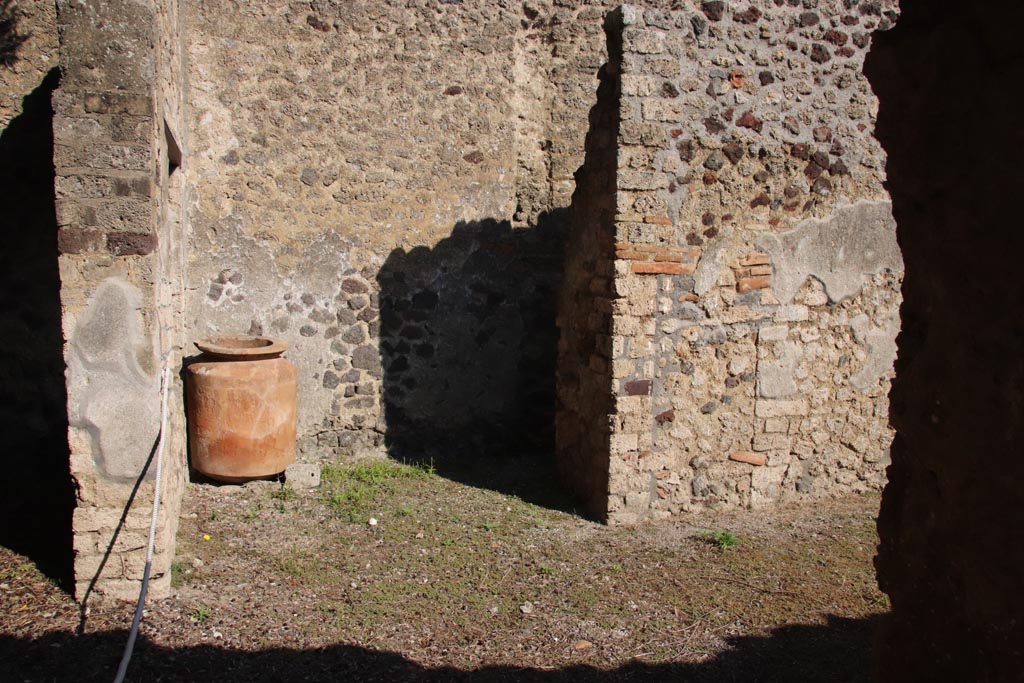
[756, 282]
[637, 247]
[669, 256]
[632, 255]
[638, 387]
[678, 254]
[756, 258]
[658, 220]
[663, 268]
[131, 243]
[77, 240]
[749, 458]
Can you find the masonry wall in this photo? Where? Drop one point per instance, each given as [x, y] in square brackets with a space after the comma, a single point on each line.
[121, 281]
[374, 172]
[384, 187]
[757, 273]
[951, 512]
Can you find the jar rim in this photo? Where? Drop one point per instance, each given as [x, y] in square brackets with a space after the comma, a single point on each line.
[241, 346]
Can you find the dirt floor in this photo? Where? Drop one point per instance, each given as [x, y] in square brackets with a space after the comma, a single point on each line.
[393, 573]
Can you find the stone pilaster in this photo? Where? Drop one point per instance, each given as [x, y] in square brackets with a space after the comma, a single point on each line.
[118, 240]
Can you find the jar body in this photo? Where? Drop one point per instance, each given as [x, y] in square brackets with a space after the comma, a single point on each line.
[241, 416]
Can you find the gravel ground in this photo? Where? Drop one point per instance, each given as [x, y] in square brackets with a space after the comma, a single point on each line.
[391, 572]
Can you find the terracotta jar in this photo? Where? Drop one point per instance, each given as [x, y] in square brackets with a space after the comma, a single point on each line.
[241, 408]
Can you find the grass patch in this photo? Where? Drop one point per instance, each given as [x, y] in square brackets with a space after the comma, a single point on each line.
[178, 569]
[17, 571]
[351, 490]
[285, 493]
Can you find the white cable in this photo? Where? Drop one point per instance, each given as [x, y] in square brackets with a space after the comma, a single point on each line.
[130, 645]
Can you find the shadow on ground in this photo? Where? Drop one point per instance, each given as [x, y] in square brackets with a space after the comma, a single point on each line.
[37, 503]
[469, 346]
[839, 652]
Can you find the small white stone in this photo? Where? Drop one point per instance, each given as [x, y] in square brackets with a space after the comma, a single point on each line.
[810, 334]
[737, 366]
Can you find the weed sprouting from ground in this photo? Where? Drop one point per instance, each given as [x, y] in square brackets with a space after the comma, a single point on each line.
[201, 614]
[253, 513]
[722, 538]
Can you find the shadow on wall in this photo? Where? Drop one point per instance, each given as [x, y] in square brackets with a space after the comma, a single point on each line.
[949, 553]
[37, 503]
[10, 39]
[468, 347]
[839, 652]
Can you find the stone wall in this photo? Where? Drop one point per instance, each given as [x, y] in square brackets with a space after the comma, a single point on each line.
[949, 557]
[384, 188]
[35, 511]
[385, 168]
[757, 273]
[120, 243]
